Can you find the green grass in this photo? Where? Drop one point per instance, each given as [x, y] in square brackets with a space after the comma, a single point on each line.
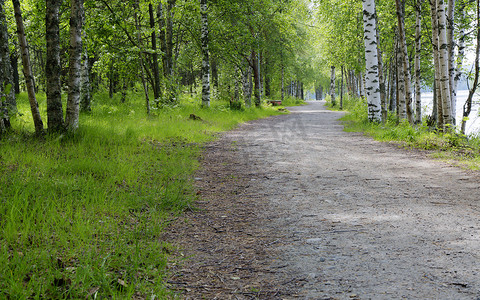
[454, 147]
[83, 214]
[292, 101]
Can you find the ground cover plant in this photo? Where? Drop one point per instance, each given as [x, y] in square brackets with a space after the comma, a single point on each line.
[82, 215]
[453, 146]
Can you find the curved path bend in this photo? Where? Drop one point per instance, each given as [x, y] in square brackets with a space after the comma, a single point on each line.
[314, 212]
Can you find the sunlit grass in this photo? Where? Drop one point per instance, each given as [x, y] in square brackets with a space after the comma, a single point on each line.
[463, 150]
[83, 214]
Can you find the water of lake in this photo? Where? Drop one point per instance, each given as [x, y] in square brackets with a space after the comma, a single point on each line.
[473, 124]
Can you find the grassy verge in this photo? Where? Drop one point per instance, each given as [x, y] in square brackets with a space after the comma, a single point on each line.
[82, 216]
[456, 148]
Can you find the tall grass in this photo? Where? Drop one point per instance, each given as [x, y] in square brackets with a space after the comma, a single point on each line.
[465, 150]
[82, 215]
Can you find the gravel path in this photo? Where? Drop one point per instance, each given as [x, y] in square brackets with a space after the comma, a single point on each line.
[328, 215]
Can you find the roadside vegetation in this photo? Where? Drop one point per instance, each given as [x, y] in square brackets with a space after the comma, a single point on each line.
[455, 147]
[82, 215]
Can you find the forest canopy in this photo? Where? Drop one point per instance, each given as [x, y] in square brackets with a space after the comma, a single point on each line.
[237, 51]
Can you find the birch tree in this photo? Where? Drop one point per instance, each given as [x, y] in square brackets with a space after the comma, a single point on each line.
[156, 72]
[437, 99]
[75, 65]
[247, 85]
[205, 59]
[467, 107]
[53, 67]
[401, 106]
[7, 92]
[27, 69]
[418, 71]
[403, 57]
[451, 58]
[443, 64]
[372, 85]
[86, 88]
[136, 8]
[460, 52]
[332, 85]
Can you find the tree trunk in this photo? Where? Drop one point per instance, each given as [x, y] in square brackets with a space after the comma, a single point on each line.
[236, 95]
[169, 36]
[140, 57]
[75, 65]
[403, 57]
[460, 54]
[267, 78]
[354, 85]
[247, 86]
[467, 107]
[298, 93]
[381, 78]
[283, 83]
[8, 103]
[393, 86]
[86, 88]
[341, 89]
[371, 58]
[156, 72]
[302, 95]
[435, 109]
[451, 58]
[256, 76]
[27, 69]
[418, 90]
[318, 92]
[53, 68]
[332, 85]
[401, 104]
[443, 62]
[214, 73]
[437, 93]
[205, 59]
[14, 63]
[361, 89]
[163, 38]
[111, 80]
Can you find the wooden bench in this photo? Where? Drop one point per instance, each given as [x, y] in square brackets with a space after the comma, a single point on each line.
[275, 102]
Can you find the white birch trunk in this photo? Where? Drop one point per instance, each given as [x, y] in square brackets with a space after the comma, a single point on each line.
[7, 91]
[404, 60]
[401, 103]
[332, 85]
[418, 90]
[75, 65]
[437, 94]
[451, 58]
[460, 55]
[86, 89]
[205, 58]
[467, 107]
[247, 85]
[27, 69]
[53, 67]
[341, 88]
[443, 61]
[361, 89]
[372, 85]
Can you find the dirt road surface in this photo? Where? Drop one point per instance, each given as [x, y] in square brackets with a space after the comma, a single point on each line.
[292, 207]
